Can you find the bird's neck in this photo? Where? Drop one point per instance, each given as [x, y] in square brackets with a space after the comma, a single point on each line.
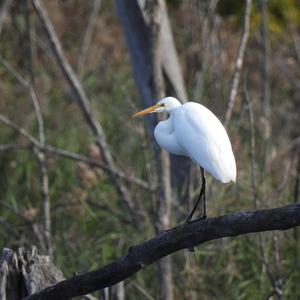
[167, 124]
[172, 110]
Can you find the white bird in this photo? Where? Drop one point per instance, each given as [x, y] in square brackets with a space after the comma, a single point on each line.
[193, 130]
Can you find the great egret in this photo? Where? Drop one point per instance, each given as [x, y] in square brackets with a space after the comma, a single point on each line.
[193, 130]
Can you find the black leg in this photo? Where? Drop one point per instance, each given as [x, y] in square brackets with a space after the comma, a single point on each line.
[203, 186]
[201, 195]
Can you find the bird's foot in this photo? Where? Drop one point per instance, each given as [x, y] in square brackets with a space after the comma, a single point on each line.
[203, 218]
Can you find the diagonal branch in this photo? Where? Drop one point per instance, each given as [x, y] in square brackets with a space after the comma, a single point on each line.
[182, 237]
[82, 100]
[239, 63]
[44, 181]
[87, 38]
[79, 157]
[19, 129]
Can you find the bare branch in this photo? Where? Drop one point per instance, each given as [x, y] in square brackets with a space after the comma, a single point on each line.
[7, 147]
[143, 291]
[82, 158]
[266, 79]
[87, 38]
[19, 129]
[40, 155]
[82, 101]
[91, 162]
[182, 237]
[239, 63]
[292, 146]
[253, 145]
[33, 225]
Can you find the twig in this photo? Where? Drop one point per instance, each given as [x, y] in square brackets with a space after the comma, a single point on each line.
[286, 70]
[238, 63]
[283, 282]
[7, 147]
[266, 79]
[79, 157]
[40, 155]
[253, 145]
[278, 284]
[260, 239]
[19, 129]
[60, 152]
[83, 102]
[143, 291]
[182, 237]
[87, 38]
[290, 147]
[35, 228]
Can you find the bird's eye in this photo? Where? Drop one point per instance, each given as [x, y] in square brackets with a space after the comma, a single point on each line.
[162, 105]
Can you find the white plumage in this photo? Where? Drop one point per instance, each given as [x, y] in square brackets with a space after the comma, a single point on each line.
[194, 131]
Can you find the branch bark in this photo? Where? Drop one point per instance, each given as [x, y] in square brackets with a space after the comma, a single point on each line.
[182, 237]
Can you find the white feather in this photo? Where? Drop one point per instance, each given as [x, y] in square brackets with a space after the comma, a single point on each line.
[193, 130]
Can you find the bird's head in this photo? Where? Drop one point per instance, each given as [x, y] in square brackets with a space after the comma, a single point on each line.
[164, 105]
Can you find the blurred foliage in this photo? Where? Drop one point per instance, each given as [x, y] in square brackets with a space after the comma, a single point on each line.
[91, 226]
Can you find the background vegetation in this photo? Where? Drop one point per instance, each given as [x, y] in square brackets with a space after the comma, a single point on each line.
[90, 225]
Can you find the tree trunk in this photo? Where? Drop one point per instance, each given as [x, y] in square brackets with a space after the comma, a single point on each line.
[24, 273]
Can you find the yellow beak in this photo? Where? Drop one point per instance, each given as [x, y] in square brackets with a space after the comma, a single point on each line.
[146, 111]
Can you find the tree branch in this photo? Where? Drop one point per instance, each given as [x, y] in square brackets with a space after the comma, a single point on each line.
[83, 103]
[239, 63]
[49, 149]
[184, 236]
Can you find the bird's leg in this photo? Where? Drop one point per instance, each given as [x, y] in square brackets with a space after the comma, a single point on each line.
[203, 187]
[201, 195]
[194, 208]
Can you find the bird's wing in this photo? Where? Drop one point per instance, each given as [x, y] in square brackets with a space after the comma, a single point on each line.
[205, 140]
